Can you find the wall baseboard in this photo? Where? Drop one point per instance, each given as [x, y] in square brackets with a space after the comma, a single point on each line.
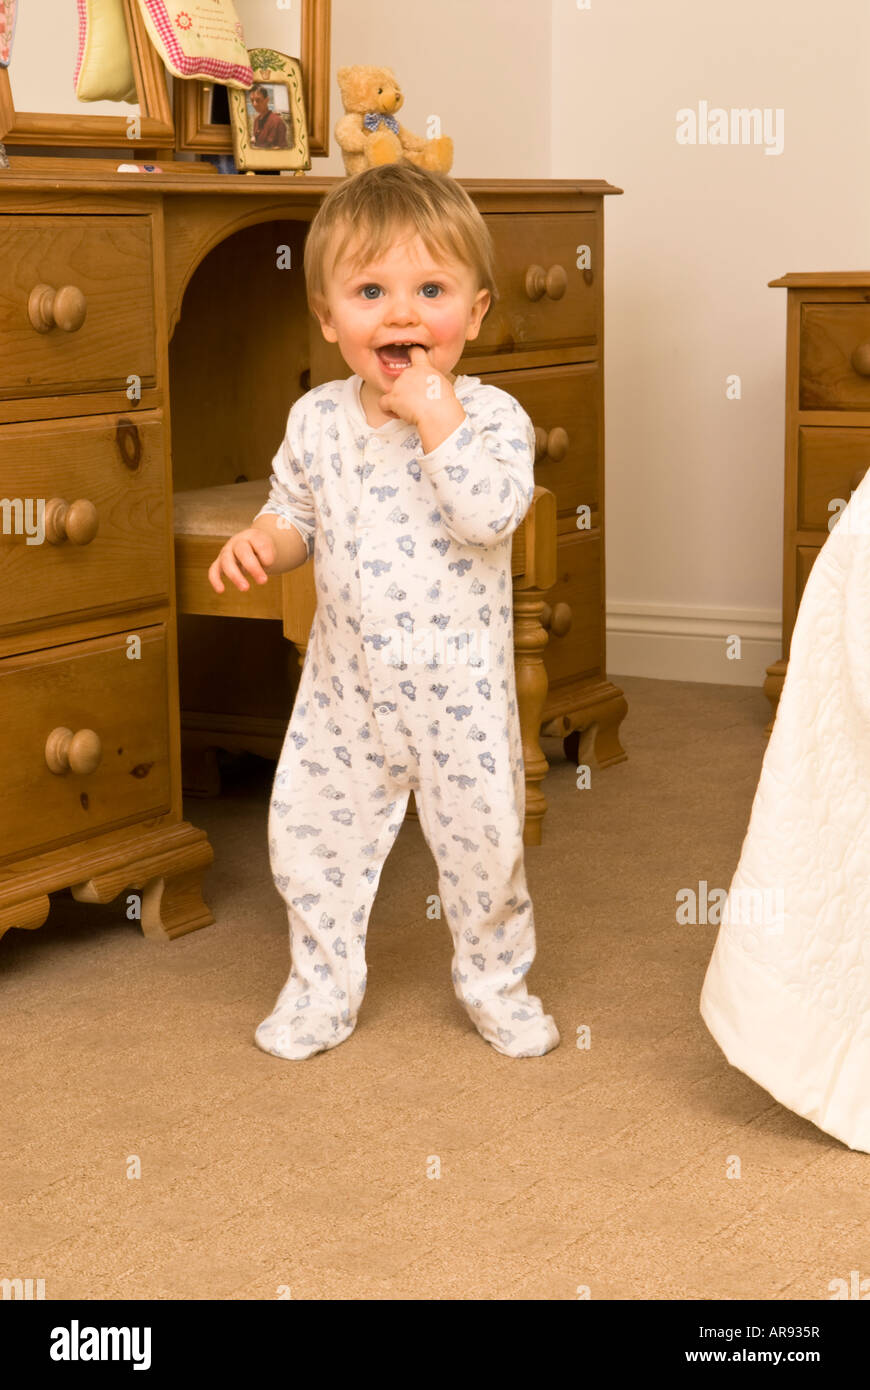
[691, 643]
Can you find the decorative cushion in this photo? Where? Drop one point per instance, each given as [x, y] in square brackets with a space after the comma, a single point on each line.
[219, 511]
[199, 38]
[104, 69]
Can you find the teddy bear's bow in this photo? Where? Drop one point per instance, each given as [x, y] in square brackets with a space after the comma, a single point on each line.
[373, 119]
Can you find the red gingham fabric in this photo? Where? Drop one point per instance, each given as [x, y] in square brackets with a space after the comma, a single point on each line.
[83, 31]
[8, 13]
[187, 66]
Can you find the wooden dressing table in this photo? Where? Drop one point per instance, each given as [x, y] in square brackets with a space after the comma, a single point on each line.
[116, 287]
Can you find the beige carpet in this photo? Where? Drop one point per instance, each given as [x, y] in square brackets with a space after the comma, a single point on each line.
[603, 1168]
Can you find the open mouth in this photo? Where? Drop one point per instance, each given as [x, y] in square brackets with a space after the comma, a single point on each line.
[396, 356]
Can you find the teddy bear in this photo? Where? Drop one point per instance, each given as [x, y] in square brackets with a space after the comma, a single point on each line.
[369, 133]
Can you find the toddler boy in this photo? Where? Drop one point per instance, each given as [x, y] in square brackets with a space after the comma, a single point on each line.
[406, 483]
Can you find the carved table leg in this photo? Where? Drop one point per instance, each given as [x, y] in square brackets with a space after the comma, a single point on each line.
[163, 862]
[30, 912]
[593, 727]
[173, 905]
[170, 885]
[530, 639]
[608, 748]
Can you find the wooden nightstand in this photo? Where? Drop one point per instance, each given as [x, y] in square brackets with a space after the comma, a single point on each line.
[827, 423]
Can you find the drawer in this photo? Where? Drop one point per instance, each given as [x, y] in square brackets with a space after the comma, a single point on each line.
[835, 357]
[118, 761]
[562, 306]
[831, 463]
[575, 647]
[564, 405]
[100, 268]
[114, 470]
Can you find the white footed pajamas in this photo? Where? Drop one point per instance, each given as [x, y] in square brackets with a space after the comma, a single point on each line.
[408, 683]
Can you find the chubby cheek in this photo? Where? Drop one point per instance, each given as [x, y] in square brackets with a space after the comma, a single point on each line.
[447, 327]
[357, 329]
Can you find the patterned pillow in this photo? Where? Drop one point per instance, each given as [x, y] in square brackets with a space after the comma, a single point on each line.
[104, 70]
[199, 38]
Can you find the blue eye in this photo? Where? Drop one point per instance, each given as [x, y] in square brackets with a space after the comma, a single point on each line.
[430, 285]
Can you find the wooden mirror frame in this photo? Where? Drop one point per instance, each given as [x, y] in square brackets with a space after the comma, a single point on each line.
[193, 98]
[156, 126]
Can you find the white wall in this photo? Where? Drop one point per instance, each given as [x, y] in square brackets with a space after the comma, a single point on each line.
[694, 481]
[483, 66]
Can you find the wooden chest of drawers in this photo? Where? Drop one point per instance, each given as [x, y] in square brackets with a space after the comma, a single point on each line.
[89, 726]
[827, 424]
[99, 271]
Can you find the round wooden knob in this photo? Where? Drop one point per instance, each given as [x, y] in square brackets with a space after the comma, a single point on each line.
[69, 752]
[557, 444]
[858, 477]
[551, 447]
[860, 359]
[557, 620]
[561, 619]
[552, 282]
[70, 521]
[48, 308]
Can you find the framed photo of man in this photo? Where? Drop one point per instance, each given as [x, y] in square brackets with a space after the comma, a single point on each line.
[268, 122]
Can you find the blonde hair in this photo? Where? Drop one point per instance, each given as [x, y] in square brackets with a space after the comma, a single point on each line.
[377, 203]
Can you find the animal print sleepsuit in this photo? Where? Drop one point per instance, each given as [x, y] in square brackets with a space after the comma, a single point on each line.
[408, 682]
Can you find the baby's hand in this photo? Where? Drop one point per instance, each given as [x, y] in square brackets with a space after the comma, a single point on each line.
[418, 391]
[252, 549]
[425, 397]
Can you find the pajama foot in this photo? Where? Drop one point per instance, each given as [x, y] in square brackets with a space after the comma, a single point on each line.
[514, 1027]
[301, 1025]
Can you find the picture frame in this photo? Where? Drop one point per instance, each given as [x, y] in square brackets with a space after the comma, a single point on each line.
[268, 123]
[194, 101]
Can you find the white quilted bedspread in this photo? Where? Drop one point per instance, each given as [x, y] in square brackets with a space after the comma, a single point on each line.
[787, 991]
